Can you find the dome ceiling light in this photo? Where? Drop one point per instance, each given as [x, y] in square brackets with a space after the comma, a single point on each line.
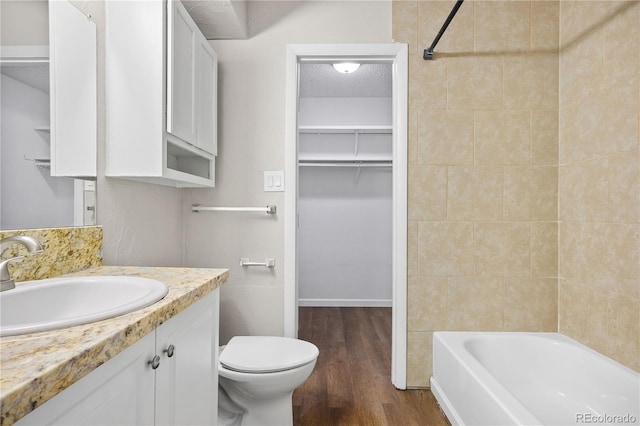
[346, 67]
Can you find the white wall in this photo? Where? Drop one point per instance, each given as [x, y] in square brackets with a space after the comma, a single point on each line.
[143, 223]
[24, 23]
[344, 236]
[31, 198]
[333, 111]
[251, 141]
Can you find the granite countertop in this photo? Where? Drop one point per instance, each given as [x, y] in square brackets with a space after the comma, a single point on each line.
[35, 367]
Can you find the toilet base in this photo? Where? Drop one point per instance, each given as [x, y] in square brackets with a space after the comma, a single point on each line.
[277, 410]
[229, 413]
[274, 412]
[259, 399]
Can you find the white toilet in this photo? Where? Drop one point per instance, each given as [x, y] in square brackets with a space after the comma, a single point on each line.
[257, 376]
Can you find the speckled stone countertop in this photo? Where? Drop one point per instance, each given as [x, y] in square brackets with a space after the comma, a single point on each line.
[35, 367]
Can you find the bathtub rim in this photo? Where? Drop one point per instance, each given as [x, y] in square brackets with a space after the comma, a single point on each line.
[500, 396]
[449, 341]
[444, 403]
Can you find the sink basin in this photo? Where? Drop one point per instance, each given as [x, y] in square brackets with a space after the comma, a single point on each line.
[67, 301]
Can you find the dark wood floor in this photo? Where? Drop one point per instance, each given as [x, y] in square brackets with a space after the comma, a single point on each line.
[351, 383]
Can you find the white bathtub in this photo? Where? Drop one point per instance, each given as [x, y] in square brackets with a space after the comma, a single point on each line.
[530, 379]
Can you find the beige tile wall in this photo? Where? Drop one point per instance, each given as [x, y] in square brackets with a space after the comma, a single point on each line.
[483, 174]
[524, 172]
[599, 177]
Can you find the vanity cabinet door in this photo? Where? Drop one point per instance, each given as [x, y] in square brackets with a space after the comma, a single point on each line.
[187, 378]
[119, 392]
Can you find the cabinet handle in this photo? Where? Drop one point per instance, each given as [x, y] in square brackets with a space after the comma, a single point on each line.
[155, 362]
[169, 350]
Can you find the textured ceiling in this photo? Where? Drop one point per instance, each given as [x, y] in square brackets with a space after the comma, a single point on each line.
[227, 19]
[219, 19]
[322, 80]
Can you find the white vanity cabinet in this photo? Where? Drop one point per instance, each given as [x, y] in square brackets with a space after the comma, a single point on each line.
[182, 389]
[187, 381]
[161, 80]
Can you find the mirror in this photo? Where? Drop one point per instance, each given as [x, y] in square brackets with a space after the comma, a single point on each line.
[48, 115]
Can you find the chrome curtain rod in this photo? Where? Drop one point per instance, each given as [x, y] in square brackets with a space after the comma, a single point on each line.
[428, 53]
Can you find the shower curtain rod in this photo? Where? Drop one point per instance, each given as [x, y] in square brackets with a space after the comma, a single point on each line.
[428, 53]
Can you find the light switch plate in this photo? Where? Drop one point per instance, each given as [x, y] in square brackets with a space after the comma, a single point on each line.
[274, 181]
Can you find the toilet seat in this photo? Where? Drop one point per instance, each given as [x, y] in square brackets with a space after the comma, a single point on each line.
[266, 354]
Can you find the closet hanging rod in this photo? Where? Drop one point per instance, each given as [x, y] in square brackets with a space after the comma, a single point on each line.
[308, 163]
[345, 129]
[196, 208]
[428, 53]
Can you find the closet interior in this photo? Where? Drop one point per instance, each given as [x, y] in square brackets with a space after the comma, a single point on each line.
[345, 186]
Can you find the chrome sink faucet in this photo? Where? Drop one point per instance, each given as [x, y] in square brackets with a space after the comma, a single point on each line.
[31, 244]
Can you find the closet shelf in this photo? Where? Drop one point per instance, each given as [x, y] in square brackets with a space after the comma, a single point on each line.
[345, 129]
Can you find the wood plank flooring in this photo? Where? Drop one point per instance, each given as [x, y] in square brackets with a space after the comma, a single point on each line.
[351, 383]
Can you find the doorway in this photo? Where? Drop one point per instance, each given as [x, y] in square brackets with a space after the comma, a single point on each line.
[393, 54]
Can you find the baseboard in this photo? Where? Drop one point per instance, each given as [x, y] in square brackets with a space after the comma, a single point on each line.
[369, 303]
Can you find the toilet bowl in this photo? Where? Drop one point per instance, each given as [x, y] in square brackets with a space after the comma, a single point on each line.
[257, 376]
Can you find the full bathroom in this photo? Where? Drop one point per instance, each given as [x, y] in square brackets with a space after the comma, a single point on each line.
[514, 203]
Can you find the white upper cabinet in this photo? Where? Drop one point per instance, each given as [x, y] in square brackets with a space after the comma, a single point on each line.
[182, 51]
[73, 91]
[207, 72]
[191, 82]
[161, 99]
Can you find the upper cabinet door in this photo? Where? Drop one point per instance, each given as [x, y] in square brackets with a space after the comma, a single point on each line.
[182, 50]
[73, 91]
[207, 98]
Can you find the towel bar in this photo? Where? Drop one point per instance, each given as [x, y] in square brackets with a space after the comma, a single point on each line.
[269, 209]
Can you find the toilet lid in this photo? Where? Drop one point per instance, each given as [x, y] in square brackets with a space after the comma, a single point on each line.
[265, 354]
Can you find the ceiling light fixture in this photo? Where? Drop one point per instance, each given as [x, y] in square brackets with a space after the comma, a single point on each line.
[346, 67]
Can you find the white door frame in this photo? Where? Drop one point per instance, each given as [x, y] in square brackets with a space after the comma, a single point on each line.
[397, 55]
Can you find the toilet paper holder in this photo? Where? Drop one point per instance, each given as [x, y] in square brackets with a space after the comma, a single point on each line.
[268, 262]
